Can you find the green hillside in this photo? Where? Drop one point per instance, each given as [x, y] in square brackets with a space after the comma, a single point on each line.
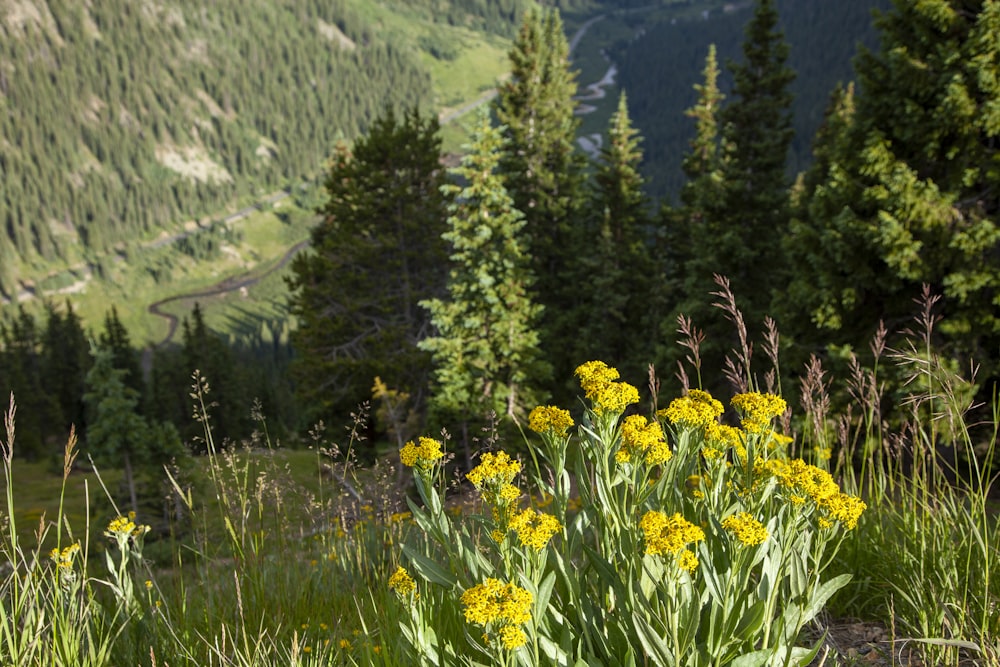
[121, 119]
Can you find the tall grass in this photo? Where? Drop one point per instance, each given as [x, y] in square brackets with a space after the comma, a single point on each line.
[339, 571]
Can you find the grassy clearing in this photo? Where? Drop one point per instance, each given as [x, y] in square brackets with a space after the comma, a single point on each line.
[294, 557]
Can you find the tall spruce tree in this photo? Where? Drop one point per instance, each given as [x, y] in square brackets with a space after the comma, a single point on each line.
[543, 170]
[65, 360]
[377, 253]
[756, 134]
[735, 205]
[485, 352]
[618, 303]
[906, 189]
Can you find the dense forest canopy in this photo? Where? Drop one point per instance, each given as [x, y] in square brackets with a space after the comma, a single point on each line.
[660, 68]
[119, 118]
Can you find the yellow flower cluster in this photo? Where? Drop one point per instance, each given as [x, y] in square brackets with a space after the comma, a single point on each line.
[605, 395]
[668, 535]
[64, 559]
[535, 529]
[642, 439]
[550, 419]
[687, 561]
[421, 456]
[758, 409]
[802, 480]
[723, 437]
[401, 582]
[502, 606]
[745, 528]
[696, 410]
[123, 528]
[494, 470]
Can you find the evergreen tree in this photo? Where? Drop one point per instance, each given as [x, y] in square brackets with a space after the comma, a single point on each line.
[125, 357]
[117, 433]
[618, 268]
[757, 130]
[905, 190]
[38, 411]
[229, 400]
[64, 362]
[485, 352]
[377, 253]
[543, 170]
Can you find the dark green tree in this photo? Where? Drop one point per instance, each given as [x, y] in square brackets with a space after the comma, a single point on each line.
[38, 414]
[906, 190]
[117, 434]
[617, 267]
[543, 170]
[125, 357]
[377, 253]
[486, 352]
[756, 133]
[65, 360]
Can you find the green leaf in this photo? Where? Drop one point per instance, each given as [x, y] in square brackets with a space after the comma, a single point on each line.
[652, 644]
[428, 569]
[753, 659]
[822, 595]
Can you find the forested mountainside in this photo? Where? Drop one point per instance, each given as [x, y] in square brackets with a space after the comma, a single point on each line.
[120, 117]
[660, 68]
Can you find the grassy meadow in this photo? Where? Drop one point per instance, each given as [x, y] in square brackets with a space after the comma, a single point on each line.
[691, 529]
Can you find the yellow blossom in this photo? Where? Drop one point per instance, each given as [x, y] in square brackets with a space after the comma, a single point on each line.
[758, 410]
[421, 456]
[594, 375]
[606, 396]
[745, 528]
[696, 410]
[687, 561]
[401, 582]
[550, 419]
[845, 508]
[535, 529]
[345, 644]
[501, 606]
[667, 535]
[643, 440]
[494, 470]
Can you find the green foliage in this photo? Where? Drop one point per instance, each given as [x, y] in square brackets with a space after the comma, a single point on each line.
[129, 119]
[617, 266]
[377, 253]
[542, 168]
[660, 66]
[904, 190]
[486, 351]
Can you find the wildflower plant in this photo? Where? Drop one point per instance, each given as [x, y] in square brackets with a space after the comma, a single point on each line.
[692, 542]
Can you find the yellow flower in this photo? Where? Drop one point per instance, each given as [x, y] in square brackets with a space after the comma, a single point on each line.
[696, 410]
[722, 436]
[594, 375]
[401, 582]
[745, 528]
[345, 644]
[535, 529]
[494, 470]
[644, 440]
[758, 409]
[496, 602]
[687, 561]
[550, 419]
[667, 535]
[307, 649]
[845, 508]
[606, 396]
[512, 637]
[421, 456]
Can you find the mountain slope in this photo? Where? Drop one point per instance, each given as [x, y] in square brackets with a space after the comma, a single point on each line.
[120, 118]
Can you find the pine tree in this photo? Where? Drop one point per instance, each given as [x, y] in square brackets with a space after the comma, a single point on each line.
[618, 267]
[125, 357]
[905, 191]
[117, 433]
[377, 254]
[543, 170]
[757, 131]
[65, 360]
[485, 352]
